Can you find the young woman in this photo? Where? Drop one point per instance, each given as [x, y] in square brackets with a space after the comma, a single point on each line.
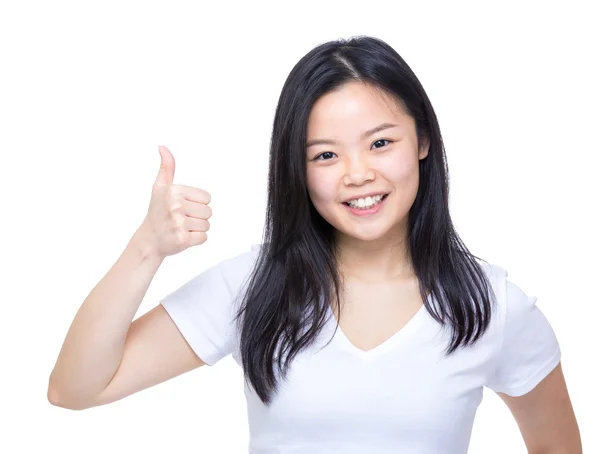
[361, 321]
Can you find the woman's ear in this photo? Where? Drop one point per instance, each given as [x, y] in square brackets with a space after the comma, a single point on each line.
[424, 151]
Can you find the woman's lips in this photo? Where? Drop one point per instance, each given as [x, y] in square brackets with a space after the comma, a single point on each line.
[366, 212]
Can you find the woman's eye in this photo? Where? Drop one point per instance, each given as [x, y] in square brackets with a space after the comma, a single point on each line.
[382, 140]
[323, 154]
[327, 153]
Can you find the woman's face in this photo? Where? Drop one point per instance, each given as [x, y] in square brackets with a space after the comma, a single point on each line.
[354, 163]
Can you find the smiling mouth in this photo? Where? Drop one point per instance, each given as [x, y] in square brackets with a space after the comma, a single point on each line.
[382, 199]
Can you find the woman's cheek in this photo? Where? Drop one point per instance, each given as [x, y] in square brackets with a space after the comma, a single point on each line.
[320, 187]
[399, 170]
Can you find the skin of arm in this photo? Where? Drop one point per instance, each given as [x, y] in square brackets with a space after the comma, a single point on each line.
[546, 418]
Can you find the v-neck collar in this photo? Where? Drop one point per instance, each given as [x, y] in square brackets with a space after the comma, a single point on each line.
[397, 339]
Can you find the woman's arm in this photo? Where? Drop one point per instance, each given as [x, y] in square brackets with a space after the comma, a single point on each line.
[545, 417]
[94, 344]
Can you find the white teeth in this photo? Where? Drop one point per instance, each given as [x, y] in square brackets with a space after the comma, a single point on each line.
[366, 202]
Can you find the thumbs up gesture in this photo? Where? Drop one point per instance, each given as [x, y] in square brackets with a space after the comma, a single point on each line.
[178, 215]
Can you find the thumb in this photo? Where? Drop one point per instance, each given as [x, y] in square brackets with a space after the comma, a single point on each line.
[167, 167]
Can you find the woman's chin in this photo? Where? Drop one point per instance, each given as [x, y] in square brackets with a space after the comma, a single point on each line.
[365, 234]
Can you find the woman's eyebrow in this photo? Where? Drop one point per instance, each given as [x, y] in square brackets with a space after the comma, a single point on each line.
[364, 135]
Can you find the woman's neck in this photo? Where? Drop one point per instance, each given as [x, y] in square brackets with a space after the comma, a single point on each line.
[374, 261]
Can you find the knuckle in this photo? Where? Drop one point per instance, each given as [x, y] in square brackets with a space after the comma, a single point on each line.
[173, 190]
[180, 238]
[174, 197]
[179, 223]
[176, 206]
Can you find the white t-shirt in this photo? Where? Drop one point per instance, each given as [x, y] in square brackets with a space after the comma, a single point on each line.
[402, 396]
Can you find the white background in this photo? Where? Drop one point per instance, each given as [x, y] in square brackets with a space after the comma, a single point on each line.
[88, 91]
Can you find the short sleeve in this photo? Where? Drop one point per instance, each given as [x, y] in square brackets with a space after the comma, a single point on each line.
[529, 349]
[204, 307]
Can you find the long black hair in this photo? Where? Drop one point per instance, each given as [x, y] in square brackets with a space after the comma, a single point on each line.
[295, 276]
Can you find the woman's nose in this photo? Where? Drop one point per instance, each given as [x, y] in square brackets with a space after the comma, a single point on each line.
[358, 171]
